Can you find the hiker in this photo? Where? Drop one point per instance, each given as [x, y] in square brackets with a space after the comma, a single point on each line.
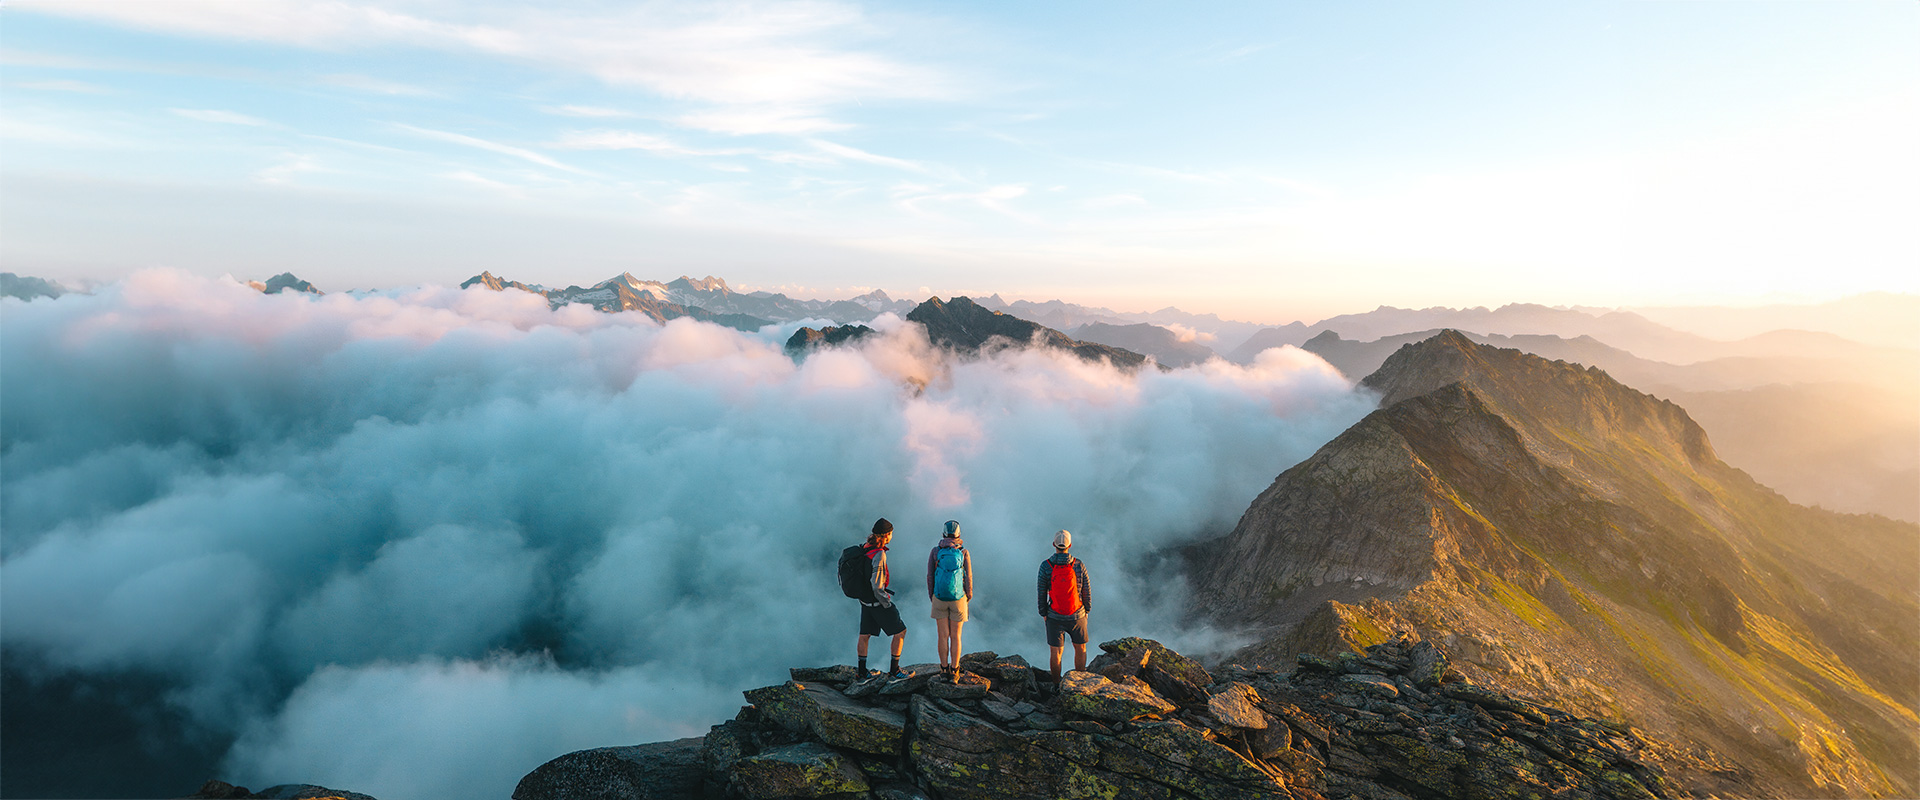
[1065, 599]
[949, 587]
[878, 614]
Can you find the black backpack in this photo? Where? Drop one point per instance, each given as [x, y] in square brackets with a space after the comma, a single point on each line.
[856, 573]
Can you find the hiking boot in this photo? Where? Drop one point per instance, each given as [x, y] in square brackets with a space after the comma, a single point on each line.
[898, 674]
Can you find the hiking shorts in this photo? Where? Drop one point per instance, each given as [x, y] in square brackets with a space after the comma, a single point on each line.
[875, 620]
[955, 610]
[1059, 629]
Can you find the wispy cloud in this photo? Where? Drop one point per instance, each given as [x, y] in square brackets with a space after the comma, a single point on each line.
[856, 154]
[367, 83]
[631, 140]
[496, 147]
[914, 197]
[757, 67]
[471, 178]
[586, 111]
[1159, 172]
[282, 174]
[744, 121]
[221, 117]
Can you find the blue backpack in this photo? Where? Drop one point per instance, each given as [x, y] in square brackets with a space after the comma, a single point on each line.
[947, 580]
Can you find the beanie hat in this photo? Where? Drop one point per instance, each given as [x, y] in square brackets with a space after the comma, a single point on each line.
[1062, 540]
[881, 526]
[953, 530]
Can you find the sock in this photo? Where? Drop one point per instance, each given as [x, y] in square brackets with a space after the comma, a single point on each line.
[896, 665]
[863, 663]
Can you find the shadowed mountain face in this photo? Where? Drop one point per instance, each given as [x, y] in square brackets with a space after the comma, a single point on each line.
[1167, 348]
[962, 325]
[1580, 542]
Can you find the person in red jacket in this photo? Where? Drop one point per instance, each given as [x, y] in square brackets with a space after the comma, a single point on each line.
[1065, 599]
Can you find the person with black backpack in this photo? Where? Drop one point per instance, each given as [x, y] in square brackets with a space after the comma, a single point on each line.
[1065, 599]
[864, 577]
[949, 587]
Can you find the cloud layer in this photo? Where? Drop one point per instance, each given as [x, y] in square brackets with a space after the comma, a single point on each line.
[416, 543]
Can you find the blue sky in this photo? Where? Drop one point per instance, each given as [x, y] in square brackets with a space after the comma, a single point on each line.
[1269, 161]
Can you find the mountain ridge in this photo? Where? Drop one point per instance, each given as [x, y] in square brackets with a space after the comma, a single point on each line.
[1580, 543]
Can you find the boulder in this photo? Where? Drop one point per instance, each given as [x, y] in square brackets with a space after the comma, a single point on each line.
[1237, 704]
[218, 790]
[838, 673]
[833, 717]
[973, 661]
[1429, 665]
[999, 712]
[966, 686]
[1043, 721]
[917, 677]
[1172, 675]
[304, 791]
[808, 769]
[1091, 695]
[1011, 676]
[1270, 741]
[659, 771]
[1373, 685]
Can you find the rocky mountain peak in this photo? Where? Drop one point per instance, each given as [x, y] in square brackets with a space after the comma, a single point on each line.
[287, 281]
[964, 326]
[1578, 542]
[1424, 366]
[706, 284]
[1391, 722]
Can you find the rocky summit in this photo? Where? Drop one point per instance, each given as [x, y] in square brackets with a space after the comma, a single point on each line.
[964, 326]
[806, 340]
[1579, 543]
[1392, 723]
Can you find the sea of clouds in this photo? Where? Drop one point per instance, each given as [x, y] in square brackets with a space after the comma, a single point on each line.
[416, 543]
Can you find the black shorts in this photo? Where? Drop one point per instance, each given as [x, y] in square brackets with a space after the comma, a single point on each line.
[1059, 629]
[875, 620]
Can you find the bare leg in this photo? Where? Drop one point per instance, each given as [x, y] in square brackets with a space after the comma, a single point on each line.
[942, 637]
[863, 645]
[955, 647]
[1080, 657]
[1054, 661]
[900, 641]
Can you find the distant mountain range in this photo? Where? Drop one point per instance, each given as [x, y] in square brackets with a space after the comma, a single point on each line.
[1618, 329]
[1826, 419]
[708, 298]
[1166, 347]
[1580, 543]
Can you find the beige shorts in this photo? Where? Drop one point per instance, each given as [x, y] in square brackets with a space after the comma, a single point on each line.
[955, 610]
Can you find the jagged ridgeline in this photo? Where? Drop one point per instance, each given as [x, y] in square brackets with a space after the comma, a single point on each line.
[963, 326]
[1577, 542]
[1392, 723]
